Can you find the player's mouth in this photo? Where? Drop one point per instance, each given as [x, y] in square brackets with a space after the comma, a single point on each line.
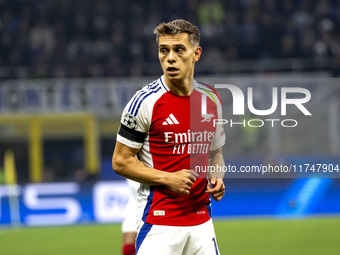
[172, 70]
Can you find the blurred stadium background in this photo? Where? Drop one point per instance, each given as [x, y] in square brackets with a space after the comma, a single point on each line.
[67, 69]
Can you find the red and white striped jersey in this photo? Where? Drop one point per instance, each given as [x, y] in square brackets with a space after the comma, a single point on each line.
[173, 133]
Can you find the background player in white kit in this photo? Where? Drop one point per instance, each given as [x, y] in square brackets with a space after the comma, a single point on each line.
[173, 204]
[129, 224]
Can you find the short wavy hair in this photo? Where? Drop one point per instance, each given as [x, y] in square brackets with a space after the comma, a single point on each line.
[176, 27]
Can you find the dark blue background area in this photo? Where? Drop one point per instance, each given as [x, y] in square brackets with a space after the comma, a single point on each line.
[281, 198]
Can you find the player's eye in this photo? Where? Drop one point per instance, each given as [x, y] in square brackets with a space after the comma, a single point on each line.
[163, 50]
[179, 50]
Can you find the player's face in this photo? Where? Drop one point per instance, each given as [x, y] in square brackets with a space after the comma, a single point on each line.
[177, 56]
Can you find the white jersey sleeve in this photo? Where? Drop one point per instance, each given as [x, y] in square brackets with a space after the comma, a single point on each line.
[135, 122]
[136, 117]
[219, 138]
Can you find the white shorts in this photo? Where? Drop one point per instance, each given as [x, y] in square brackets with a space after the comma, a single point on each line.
[130, 213]
[174, 240]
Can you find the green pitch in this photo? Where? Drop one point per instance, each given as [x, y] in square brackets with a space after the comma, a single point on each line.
[235, 237]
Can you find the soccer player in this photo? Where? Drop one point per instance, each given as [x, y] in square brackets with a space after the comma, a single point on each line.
[129, 224]
[166, 132]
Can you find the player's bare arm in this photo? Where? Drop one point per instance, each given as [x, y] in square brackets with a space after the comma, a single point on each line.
[216, 186]
[126, 164]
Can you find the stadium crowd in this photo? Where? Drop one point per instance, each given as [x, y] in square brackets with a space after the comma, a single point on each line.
[86, 38]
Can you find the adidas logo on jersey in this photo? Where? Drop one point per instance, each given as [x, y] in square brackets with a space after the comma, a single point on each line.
[171, 120]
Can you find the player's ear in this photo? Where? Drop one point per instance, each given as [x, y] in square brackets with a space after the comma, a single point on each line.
[198, 51]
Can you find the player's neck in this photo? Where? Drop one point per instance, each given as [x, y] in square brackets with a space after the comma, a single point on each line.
[180, 87]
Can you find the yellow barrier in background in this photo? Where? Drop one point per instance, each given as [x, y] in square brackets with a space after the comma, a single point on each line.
[59, 125]
[9, 168]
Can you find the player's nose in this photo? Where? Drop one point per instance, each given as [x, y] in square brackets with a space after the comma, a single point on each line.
[171, 57]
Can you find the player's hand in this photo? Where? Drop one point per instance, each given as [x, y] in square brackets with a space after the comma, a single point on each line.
[216, 188]
[181, 181]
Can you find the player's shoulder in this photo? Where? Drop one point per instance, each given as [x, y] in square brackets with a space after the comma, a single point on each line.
[147, 95]
[207, 90]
